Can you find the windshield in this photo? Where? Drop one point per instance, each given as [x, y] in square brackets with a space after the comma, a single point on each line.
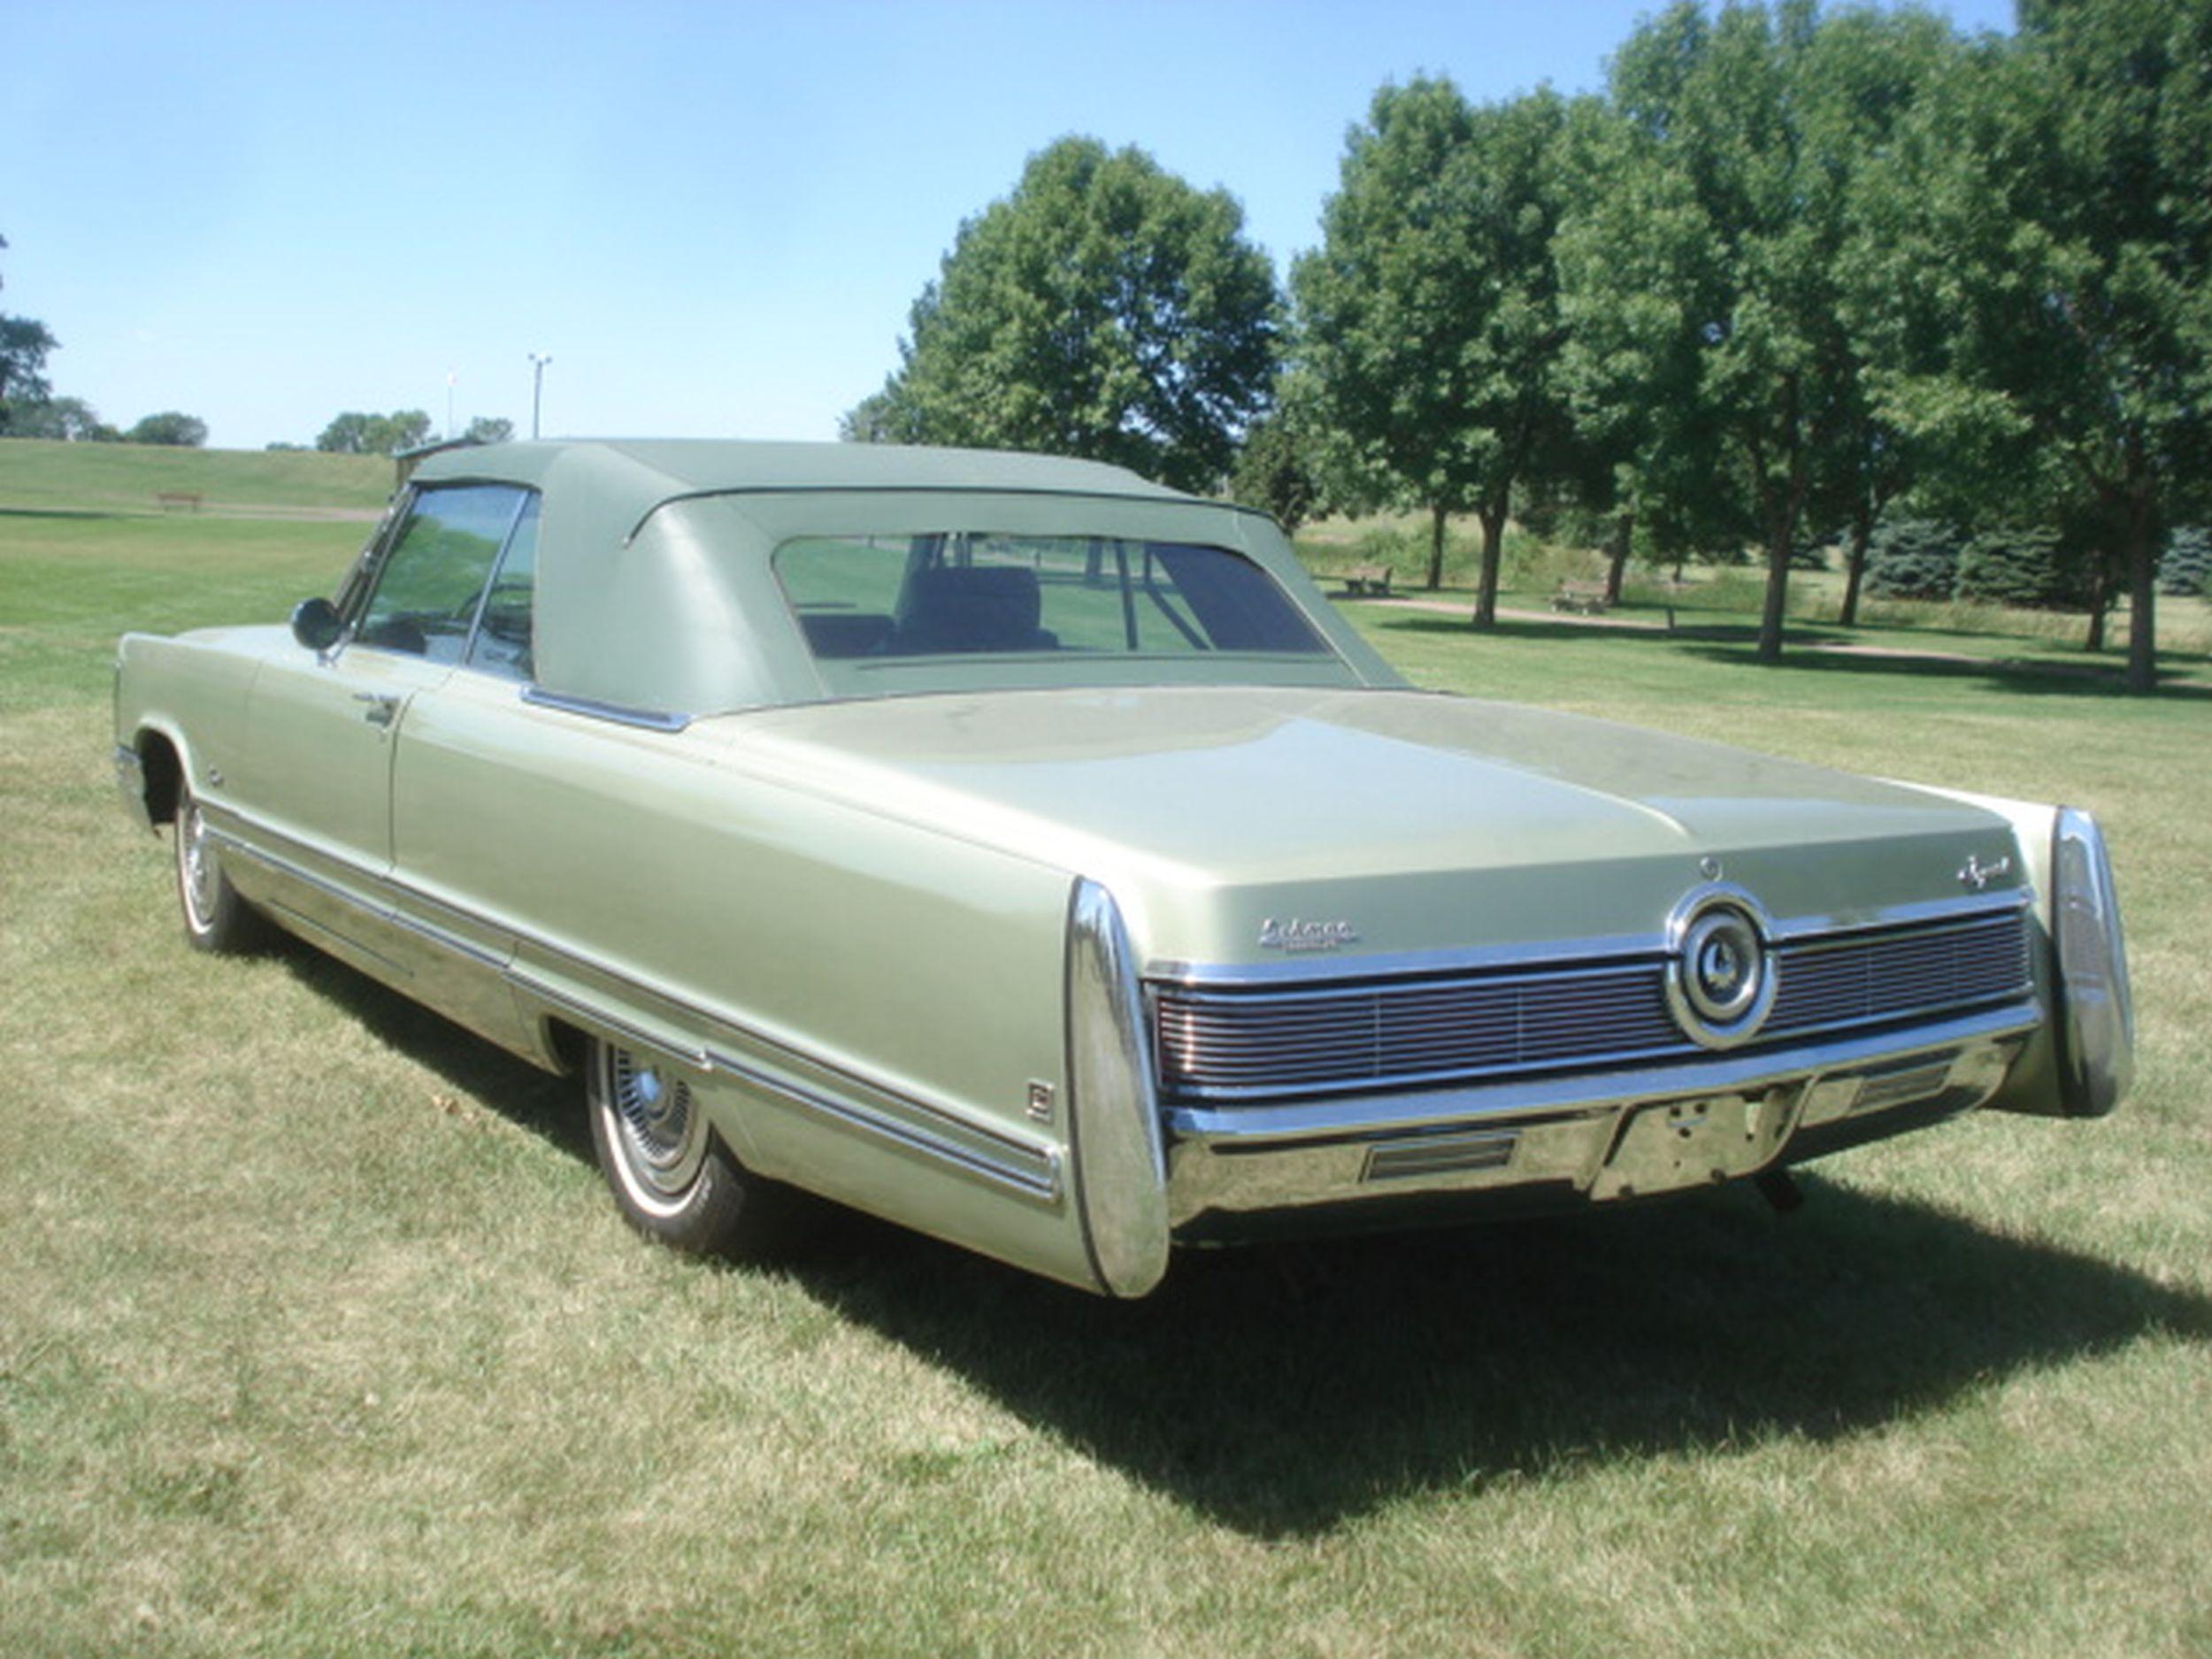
[1089, 610]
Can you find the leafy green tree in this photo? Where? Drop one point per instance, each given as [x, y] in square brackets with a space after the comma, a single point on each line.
[70, 420]
[1648, 454]
[354, 432]
[1704, 271]
[489, 429]
[1273, 472]
[23, 348]
[876, 419]
[171, 427]
[347, 435]
[1105, 308]
[2046, 291]
[1428, 319]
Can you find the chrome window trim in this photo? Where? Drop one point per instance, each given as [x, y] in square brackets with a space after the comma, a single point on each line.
[591, 708]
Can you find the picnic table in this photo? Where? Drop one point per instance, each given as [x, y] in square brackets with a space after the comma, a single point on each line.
[1586, 599]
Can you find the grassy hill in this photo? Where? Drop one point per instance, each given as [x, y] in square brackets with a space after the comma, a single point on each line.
[39, 475]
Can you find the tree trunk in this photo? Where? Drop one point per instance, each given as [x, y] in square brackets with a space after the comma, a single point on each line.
[2100, 599]
[1436, 550]
[1854, 563]
[1493, 543]
[1778, 591]
[2142, 601]
[1623, 538]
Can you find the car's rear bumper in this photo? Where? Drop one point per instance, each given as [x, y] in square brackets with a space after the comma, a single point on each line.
[1576, 1139]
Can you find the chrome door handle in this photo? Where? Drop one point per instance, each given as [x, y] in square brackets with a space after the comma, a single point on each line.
[381, 709]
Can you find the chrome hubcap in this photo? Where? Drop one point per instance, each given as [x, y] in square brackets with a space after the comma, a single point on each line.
[664, 1135]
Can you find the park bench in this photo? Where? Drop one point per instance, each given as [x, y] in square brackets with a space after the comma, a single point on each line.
[1585, 599]
[1364, 579]
[186, 499]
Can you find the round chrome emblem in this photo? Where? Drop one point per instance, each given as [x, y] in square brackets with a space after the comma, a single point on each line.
[1720, 983]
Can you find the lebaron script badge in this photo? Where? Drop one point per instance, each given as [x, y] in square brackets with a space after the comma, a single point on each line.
[1296, 935]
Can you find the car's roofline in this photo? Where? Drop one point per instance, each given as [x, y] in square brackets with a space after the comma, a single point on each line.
[645, 474]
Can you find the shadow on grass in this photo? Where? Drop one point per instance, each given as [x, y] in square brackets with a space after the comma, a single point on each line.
[1842, 651]
[1283, 1389]
[86, 514]
[547, 1106]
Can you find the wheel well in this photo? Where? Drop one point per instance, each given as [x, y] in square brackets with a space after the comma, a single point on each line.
[568, 1045]
[163, 775]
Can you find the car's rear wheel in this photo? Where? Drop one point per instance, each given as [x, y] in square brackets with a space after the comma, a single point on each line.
[215, 918]
[671, 1176]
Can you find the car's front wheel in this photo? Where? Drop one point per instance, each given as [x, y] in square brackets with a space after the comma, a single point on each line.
[215, 918]
[672, 1176]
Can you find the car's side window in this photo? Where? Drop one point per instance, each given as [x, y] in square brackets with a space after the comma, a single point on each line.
[502, 645]
[432, 581]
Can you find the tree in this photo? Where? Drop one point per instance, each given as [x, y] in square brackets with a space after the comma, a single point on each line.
[171, 427]
[70, 420]
[1273, 472]
[2186, 568]
[23, 348]
[356, 434]
[1649, 453]
[1912, 558]
[489, 429]
[2062, 364]
[877, 418]
[1721, 232]
[1428, 320]
[1105, 308]
[347, 435]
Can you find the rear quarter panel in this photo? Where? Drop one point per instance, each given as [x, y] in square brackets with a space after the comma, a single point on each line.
[719, 910]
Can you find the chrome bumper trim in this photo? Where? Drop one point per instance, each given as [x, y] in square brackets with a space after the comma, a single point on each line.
[1610, 1136]
[130, 777]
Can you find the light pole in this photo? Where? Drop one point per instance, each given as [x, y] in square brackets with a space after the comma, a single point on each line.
[537, 387]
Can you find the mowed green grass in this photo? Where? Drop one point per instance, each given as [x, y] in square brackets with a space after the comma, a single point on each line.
[131, 477]
[318, 1335]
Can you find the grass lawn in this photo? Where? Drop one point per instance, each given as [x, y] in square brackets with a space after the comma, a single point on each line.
[318, 1336]
[129, 478]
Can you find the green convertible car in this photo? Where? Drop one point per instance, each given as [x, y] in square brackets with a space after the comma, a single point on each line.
[1028, 853]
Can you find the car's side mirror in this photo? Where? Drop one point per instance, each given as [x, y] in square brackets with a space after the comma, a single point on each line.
[316, 624]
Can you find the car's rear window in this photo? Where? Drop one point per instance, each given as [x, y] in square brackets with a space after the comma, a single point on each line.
[964, 594]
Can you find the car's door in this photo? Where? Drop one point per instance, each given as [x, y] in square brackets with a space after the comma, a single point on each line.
[322, 726]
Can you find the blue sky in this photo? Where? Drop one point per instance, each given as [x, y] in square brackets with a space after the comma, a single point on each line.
[713, 216]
